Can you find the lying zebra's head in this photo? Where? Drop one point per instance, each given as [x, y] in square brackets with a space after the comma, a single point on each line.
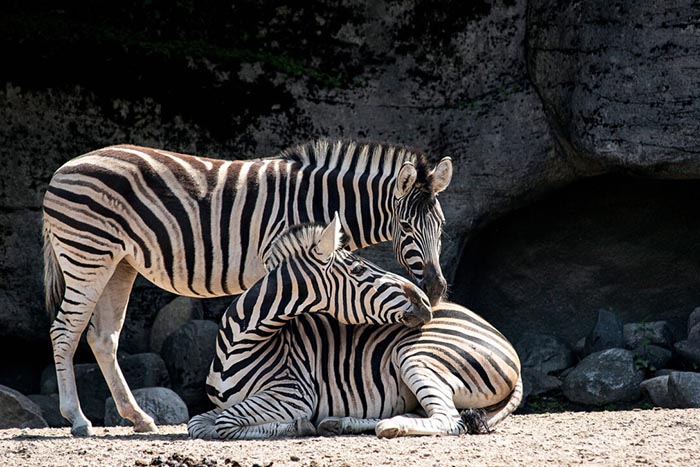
[324, 276]
[417, 223]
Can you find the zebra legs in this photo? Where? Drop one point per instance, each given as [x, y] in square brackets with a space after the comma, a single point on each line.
[103, 337]
[261, 416]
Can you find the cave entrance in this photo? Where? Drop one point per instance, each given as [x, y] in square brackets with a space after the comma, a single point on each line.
[626, 244]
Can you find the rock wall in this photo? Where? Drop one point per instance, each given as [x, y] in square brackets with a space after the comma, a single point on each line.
[526, 96]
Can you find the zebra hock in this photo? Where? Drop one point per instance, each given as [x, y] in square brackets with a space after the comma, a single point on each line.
[199, 227]
[293, 372]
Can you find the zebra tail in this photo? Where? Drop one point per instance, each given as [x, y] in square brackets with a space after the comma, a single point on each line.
[54, 284]
[496, 415]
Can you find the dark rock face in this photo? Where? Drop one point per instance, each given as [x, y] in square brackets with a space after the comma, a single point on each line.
[619, 243]
[604, 377]
[50, 409]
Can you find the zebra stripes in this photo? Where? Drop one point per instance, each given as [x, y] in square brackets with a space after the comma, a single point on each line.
[199, 227]
[314, 374]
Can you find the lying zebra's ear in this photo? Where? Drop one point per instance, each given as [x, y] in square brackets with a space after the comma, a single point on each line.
[331, 238]
[406, 179]
[441, 175]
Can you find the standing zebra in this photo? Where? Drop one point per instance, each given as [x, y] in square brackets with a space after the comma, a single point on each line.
[199, 227]
[288, 369]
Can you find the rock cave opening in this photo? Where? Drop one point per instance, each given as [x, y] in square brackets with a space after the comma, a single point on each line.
[625, 244]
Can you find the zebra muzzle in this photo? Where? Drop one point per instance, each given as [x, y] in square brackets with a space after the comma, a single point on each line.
[420, 312]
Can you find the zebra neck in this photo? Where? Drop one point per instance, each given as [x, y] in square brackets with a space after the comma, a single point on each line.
[363, 198]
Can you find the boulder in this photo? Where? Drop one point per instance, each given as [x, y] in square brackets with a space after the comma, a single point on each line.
[652, 357]
[694, 320]
[544, 353]
[689, 351]
[656, 389]
[537, 383]
[171, 317]
[607, 333]
[684, 389]
[604, 377]
[18, 411]
[188, 353]
[163, 404]
[50, 409]
[656, 333]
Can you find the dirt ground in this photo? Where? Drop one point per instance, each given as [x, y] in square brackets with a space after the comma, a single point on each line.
[624, 438]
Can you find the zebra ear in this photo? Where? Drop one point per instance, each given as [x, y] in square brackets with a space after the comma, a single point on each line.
[331, 238]
[406, 179]
[441, 175]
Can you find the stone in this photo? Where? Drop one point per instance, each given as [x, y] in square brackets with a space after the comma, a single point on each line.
[163, 404]
[188, 353]
[689, 351]
[694, 323]
[656, 389]
[139, 370]
[684, 389]
[652, 357]
[50, 409]
[607, 333]
[544, 353]
[537, 383]
[171, 317]
[656, 332]
[604, 377]
[18, 411]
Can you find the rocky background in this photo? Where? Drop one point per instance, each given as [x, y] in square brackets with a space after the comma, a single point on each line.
[574, 127]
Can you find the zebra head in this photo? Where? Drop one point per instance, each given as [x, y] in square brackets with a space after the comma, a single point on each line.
[418, 221]
[349, 288]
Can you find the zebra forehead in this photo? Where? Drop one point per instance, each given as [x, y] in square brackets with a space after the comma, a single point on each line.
[294, 241]
[336, 152]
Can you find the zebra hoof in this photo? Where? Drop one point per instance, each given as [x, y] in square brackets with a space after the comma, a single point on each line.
[386, 429]
[146, 427]
[305, 428]
[82, 431]
[331, 426]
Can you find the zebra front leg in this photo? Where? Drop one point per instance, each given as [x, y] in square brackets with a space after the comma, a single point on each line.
[203, 426]
[436, 398]
[269, 414]
[103, 337]
[334, 426]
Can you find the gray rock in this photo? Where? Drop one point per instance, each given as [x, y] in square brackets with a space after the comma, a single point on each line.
[693, 320]
[139, 370]
[652, 357]
[655, 332]
[684, 389]
[689, 351]
[544, 353]
[188, 353]
[607, 333]
[171, 317]
[656, 389]
[18, 411]
[163, 404]
[50, 409]
[537, 383]
[604, 377]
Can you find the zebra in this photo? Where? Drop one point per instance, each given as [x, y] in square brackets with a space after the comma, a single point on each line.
[199, 227]
[296, 373]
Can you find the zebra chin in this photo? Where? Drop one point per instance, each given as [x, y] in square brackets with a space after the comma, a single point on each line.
[420, 311]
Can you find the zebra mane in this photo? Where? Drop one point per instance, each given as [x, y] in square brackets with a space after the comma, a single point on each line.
[333, 153]
[294, 241]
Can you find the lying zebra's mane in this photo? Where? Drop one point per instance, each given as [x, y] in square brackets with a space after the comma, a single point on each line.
[295, 240]
[332, 153]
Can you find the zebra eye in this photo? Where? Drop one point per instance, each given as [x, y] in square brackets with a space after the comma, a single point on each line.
[406, 227]
[358, 268]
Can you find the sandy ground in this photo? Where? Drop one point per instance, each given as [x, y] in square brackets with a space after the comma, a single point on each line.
[624, 438]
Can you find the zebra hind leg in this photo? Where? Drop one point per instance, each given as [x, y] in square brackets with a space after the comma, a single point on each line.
[203, 426]
[103, 337]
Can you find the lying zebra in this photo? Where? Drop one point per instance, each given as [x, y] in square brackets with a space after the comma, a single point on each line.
[298, 368]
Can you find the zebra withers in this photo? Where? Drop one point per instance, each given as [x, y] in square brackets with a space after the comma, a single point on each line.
[285, 373]
[199, 227]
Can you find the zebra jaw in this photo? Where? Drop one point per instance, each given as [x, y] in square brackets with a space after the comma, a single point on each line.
[417, 316]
